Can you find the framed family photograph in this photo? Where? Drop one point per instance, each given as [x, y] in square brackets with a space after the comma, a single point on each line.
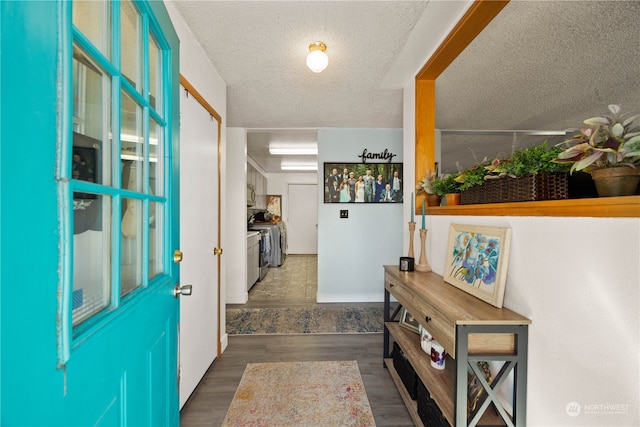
[363, 183]
[409, 322]
[477, 259]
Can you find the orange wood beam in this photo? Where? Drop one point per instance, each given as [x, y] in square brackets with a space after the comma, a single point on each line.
[425, 126]
[472, 23]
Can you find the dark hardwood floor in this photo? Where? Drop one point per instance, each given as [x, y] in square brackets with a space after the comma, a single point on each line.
[208, 404]
[293, 284]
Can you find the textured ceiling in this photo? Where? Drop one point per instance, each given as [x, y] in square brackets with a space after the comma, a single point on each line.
[260, 48]
[540, 65]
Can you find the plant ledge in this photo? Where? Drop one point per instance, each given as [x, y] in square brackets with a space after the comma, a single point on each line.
[614, 207]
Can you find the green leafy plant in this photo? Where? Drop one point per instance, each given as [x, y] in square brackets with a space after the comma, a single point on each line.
[473, 176]
[531, 160]
[445, 184]
[535, 159]
[607, 141]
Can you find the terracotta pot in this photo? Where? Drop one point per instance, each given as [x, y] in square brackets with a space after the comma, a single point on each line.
[433, 200]
[452, 199]
[619, 181]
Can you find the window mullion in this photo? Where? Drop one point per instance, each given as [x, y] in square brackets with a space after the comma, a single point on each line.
[116, 207]
[82, 41]
[146, 132]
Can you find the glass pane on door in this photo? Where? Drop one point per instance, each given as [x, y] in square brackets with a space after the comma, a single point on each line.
[93, 19]
[155, 158]
[130, 44]
[132, 140]
[155, 74]
[91, 255]
[91, 120]
[156, 215]
[131, 246]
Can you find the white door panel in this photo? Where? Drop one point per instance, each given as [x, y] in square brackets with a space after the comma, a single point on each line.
[302, 220]
[198, 236]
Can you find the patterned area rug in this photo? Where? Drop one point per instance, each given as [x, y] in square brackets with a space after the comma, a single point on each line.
[331, 320]
[300, 394]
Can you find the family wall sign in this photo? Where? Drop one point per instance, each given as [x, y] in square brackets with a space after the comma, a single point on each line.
[385, 155]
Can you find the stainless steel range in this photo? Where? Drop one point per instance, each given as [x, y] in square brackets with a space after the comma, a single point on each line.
[265, 250]
[276, 243]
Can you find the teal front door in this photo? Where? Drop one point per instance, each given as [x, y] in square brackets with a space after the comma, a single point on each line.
[89, 214]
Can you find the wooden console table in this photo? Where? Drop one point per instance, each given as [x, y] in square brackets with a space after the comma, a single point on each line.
[470, 330]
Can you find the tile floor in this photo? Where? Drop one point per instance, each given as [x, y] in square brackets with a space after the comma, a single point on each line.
[295, 281]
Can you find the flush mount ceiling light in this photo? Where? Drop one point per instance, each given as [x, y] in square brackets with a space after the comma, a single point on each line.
[298, 166]
[317, 60]
[293, 149]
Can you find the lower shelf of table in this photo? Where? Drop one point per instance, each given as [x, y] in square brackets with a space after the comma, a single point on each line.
[412, 405]
[441, 384]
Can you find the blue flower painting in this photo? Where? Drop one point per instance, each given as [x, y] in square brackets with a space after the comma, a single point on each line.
[475, 258]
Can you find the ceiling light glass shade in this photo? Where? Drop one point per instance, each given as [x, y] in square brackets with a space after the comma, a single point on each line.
[293, 149]
[317, 60]
[299, 166]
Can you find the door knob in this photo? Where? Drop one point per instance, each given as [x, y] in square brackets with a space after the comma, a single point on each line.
[217, 251]
[182, 290]
[177, 256]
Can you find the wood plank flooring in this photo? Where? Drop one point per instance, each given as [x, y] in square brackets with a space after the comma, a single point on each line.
[208, 405]
[293, 284]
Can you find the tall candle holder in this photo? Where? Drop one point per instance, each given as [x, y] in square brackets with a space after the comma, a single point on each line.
[412, 229]
[422, 264]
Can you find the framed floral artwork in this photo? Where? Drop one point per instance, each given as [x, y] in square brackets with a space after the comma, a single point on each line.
[274, 205]
[477, 261]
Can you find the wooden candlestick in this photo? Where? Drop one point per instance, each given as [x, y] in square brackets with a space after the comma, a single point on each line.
[412, 228]
[422, 264]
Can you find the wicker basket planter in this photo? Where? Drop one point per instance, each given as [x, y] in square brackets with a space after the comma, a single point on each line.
[533, 187]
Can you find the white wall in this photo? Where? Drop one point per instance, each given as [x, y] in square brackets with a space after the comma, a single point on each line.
[351, 252]
[204, 77]
[409, 153]
[278, 183]
[577, 279]
[235, 225]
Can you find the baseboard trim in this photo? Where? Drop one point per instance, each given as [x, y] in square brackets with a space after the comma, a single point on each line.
[333, 298]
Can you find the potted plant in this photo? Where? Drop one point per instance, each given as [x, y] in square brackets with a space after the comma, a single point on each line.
[447, 186]
[425, 185]
[475, 175]
[609, 149]
[531, 160]
[528, 174]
